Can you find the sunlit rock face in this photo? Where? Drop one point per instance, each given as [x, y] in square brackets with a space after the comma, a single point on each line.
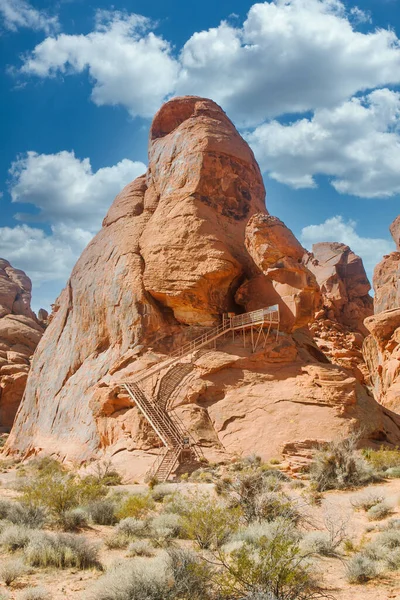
[20, 333]
[382, 347]
[188, 241]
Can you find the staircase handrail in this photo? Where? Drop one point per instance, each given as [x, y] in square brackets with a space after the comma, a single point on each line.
[163, 416]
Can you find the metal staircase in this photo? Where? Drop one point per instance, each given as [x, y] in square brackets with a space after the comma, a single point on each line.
[179, 446]
[170, 382]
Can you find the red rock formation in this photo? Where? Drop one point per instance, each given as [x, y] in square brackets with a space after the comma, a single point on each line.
[339, 328]
[181, 245]
[20, 332]
[382, 348]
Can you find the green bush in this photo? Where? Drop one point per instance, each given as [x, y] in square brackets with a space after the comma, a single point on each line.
[209, 523]
[137, 506]
[338, 465]
[383, 459]
[275, 566]
[60, 492]
[61, 550]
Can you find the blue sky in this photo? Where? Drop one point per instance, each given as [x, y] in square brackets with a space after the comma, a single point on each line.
[312, 84]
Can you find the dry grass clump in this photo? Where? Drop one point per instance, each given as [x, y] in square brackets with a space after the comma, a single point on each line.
[15, 537]
[339, 465]
[61, 550]
[74, 519]
[379, 511]
[132, 527]
[102, 512]
[141, 548]
[11, 570]
[35, 593]
[166, 526]
[367, 501]
[23, 514]
[360, 569]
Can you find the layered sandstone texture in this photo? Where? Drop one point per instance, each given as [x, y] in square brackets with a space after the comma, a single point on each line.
[382, 347]
[339, 328]
[180, 246]
[20, 333]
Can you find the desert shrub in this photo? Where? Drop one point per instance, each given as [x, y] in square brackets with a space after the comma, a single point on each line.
[26, 514]
[11, 570]
[393, 473]
[15, 537]
[142, 579]
[383, 459]
[5, 507]
[159, 492]
[74, 519]
[360, 569]
[319, 542]
[379, 511]
[106, 474]
[137, 506]
[35, 593]
[209, 523]
[45, 465]
[132, 527]
[102, 512]
[191, 575]
[117, 541]
[60, 492]
[177, 503]
[62, 550]
[338, 465]
[141, 548]
[166, 525]
[257, 494]
[275, 566]
[269, 530]
[367, 501]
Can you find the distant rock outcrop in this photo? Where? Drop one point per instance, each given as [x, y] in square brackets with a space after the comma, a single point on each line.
[20, 333]
[382, 347]
[181, 245]
[339, 328]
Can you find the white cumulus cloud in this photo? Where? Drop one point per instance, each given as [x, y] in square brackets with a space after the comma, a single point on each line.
[66, 190]
[288, 56]
[356, 144]
[20, 13]
[72, 200]
[337, 229]
[128, 64]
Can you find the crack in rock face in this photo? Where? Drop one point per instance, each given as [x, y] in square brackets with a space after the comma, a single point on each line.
[186, 242]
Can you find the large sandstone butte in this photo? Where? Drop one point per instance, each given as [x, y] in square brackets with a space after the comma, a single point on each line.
[20, 333]
[181, 245]
[382, 347]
